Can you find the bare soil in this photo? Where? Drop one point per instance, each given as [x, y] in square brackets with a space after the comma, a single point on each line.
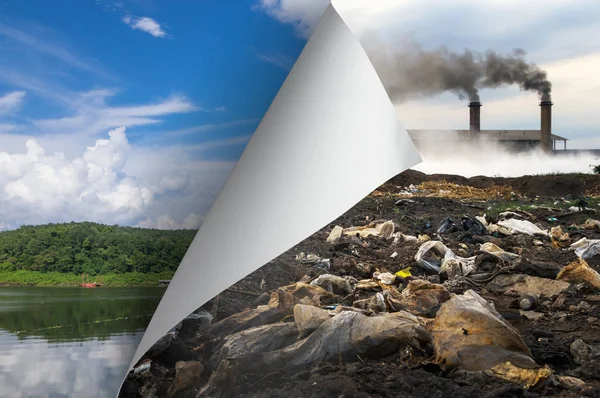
[408, 374]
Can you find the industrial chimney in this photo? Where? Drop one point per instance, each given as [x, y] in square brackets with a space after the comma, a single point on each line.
[546, 126]
[475, 117]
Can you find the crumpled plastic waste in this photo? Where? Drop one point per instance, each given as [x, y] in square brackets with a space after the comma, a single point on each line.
[469, 333]
[522, 227]
[400, 237]
[497, 252]
[558, 234]
[404, 273]
[336, 284]
[341, 338]
[420, 297]
[586, 248]
[591, 224]
[519, 284]
[446, 225]
[495, 228]
[579, 271]
[434, 256]
[143, 367]
[510, 214]
[261, 338]
[308, 318]
[473, 225]
[308, 258]
[385, 277]
[335, 234]
[383, 229]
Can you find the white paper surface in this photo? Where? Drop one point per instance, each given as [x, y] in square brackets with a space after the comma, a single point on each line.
[330, 137]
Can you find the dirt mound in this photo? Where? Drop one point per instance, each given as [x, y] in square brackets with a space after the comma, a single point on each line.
[553, 186]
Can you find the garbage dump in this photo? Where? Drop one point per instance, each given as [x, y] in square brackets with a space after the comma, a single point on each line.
[431, 286]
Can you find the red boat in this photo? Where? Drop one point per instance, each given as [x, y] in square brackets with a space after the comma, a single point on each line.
[88, 283]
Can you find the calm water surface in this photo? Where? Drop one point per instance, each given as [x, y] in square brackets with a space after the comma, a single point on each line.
[70, 342]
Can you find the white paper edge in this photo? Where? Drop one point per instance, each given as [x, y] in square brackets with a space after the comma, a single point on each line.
[330, 137]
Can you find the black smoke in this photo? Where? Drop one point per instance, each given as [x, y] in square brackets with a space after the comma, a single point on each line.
[408, 71]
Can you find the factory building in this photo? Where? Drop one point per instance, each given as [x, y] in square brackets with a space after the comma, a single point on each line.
[517, 140]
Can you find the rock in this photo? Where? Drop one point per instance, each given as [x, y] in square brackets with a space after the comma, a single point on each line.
[308, 318]
[194, 324]
[186, 375]
[583, 352]
[129, 390]
[177, 351]
[160, 346]
[570, 383]
[531, 315]
[364, 268]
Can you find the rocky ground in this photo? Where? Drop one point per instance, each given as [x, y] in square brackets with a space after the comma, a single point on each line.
[506, 310]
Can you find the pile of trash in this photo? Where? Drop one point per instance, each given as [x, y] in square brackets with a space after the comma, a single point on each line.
[430, 300]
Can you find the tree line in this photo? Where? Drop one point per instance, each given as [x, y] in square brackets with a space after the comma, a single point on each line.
[92, 248]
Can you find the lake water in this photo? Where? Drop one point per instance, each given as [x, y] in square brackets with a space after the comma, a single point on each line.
[70, 342]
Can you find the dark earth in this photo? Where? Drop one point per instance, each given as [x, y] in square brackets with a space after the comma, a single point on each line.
[411, 374]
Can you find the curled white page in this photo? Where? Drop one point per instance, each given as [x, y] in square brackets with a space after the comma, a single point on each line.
[330, 137]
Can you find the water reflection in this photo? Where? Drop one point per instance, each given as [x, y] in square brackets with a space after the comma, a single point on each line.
[70, 342]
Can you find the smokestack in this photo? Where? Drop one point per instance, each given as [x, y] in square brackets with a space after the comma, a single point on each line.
[475, 116]
[546, 126]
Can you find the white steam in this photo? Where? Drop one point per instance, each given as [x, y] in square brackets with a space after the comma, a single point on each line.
[488, 158]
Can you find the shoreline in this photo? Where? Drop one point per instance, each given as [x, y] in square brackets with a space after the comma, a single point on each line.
[56, 279]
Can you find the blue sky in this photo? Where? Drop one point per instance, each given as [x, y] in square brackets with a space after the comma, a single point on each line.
[211, 57]
[134, 112]
[183, 84]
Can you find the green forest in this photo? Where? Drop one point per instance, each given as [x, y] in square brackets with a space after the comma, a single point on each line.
[63, 252]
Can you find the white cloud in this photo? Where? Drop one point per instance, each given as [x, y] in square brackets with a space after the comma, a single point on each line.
[48, 42]
[94, 115]
[303, 14]
[11, 102]
[92, 184]
[108, 182]
[145, 24]
[277, 59]
[35, 368]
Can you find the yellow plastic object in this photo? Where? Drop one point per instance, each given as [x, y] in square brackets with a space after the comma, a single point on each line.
[404, 273]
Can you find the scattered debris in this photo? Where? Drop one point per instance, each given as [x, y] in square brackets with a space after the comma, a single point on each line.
[586, 248]
[579, 271]
[500, 303]
[335, 235]
[522, 227]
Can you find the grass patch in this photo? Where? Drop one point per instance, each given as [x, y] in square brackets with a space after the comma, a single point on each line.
[58, 279]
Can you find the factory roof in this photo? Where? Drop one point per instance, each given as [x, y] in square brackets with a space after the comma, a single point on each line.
[495, 135]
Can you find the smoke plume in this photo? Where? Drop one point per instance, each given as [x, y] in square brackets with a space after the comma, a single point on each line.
[408, 71]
